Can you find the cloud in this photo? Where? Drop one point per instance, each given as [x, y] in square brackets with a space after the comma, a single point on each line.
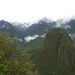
[29, 38]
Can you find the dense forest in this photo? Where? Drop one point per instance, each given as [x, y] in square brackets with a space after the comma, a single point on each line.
[13, 61]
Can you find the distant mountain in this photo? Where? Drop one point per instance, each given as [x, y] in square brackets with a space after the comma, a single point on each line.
[72, 24]
[57, 55]
[41, 27]
[70, 28]
[12, 29]
[25, 30]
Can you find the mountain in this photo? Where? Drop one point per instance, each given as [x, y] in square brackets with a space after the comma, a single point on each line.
[57, 55]
[38, 29]
[33, 45]
[12, 29]
[41, 27]
[25, 31]
[72, 24]
[70, 28]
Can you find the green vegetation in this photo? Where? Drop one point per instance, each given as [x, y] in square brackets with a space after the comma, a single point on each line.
[57, 56]
[12, 60]
[33, 45]
[53, 55]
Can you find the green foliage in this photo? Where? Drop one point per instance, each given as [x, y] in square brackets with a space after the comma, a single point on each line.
[57, 56]
[12, 60]
[33, 45]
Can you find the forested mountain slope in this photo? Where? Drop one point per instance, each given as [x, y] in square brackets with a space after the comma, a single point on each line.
[57, 56]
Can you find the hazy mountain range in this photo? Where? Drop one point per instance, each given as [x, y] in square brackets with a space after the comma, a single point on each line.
[32, 34]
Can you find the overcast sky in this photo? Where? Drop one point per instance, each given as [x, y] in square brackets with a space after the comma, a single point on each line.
[31, 10]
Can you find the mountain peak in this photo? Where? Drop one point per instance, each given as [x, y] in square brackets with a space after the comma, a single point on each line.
[56, 57]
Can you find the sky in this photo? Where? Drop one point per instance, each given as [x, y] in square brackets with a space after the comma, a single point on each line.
[32, 10]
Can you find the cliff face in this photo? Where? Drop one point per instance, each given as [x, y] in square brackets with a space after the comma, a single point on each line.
[57, 56]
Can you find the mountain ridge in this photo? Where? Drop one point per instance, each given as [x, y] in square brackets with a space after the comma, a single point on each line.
[41, 27]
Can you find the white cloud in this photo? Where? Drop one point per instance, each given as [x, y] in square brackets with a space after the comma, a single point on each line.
[30, 10]
[29, 38]
[43, 35]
